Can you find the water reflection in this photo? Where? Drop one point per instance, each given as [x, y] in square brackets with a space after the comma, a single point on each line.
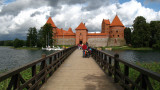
[140, 56]
[13, 58]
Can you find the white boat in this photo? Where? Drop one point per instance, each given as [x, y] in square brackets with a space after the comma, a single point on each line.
[54, 48]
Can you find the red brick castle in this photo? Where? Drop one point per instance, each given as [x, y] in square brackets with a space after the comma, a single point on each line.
[111, 34]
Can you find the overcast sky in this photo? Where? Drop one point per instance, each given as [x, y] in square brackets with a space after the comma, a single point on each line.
[17, 16]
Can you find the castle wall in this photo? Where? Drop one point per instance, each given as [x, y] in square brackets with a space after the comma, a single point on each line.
[97, 42]
[116, 42]
[117, 32]
[65, 41]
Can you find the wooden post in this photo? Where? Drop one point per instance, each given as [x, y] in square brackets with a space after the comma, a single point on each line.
[105, 62]
[143, 82]
[43, 65]
[109, 68]
[50, 62]
[126, 74]
[116, 56]
[43, 55]
[34, 73]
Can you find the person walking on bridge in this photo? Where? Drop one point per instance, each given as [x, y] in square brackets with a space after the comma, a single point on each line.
[84, 47]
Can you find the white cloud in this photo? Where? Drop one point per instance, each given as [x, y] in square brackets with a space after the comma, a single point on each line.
[10, 23]
[69, 15]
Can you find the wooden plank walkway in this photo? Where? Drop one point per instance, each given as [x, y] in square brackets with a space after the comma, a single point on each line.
[78, 73]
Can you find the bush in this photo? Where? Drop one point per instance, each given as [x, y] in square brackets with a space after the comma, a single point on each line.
[18, 43]
[156, 46]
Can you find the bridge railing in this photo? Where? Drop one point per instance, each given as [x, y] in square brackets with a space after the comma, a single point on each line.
[40, 71]
[121, 71]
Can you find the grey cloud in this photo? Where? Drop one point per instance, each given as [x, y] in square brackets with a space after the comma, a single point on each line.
[14, 8]
[35, 13]
[95, 4]
[1, 2]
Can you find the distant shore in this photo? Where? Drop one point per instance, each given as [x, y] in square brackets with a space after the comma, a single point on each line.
[124, 48]
[27, 48]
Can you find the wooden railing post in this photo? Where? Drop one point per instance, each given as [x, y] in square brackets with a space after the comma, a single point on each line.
[105, 60]
[109, 68]
[143, 82]
[50, 62]
[116, 56]
[126, 74]
[33, 73]
[43, 66]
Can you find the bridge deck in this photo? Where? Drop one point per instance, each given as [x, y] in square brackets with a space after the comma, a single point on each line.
[78, 73]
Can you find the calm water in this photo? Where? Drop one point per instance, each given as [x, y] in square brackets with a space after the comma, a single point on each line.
[12, 58]
[137, 56]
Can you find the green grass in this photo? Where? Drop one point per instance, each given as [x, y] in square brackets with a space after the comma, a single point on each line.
[126, 48]
[133, 74]
[64, 45]
[26, 74]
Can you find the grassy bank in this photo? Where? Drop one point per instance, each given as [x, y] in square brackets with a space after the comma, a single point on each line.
[126, 48]
[26, 74]
[61, 46]
[133, 74]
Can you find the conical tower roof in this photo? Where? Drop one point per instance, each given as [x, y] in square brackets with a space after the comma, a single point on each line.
[51, 22]
[116, 22]
[70, 30]
[81, 27]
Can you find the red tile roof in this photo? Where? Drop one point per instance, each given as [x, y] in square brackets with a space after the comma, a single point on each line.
[81, 27]
[64, 32]
[70, 30]
[116, 22]
[106, 21]
[51, 22]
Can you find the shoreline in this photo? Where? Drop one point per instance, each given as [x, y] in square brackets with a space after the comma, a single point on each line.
[124, 48]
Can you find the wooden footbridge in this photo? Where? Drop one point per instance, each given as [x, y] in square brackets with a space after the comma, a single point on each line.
[67, 70]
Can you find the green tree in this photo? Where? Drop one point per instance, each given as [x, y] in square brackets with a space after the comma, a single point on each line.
[31, 37]
[45, 36]
[18, 43]
[8, 43]
[155, 34]
[127, 35]
[1, 43]
[41, 39]
[141, 33]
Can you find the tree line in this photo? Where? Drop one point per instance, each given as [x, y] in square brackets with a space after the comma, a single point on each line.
[144, 34]
[41, 38]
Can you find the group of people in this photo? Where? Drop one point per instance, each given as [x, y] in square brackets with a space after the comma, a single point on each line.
[85, 49]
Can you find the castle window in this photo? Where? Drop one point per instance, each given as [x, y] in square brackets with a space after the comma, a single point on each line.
[117, 31]
[113, 35]
[118, 35]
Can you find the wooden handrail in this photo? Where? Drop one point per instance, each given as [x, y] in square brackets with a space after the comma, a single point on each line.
[111, 64]
[55, 60]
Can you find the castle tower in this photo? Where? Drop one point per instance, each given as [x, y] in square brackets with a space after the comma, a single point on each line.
[105, 26]
[116, 28]
[53, 25]
[81, 34]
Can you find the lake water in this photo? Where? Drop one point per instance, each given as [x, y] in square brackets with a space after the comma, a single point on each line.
[13, 58]
[137, 56]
